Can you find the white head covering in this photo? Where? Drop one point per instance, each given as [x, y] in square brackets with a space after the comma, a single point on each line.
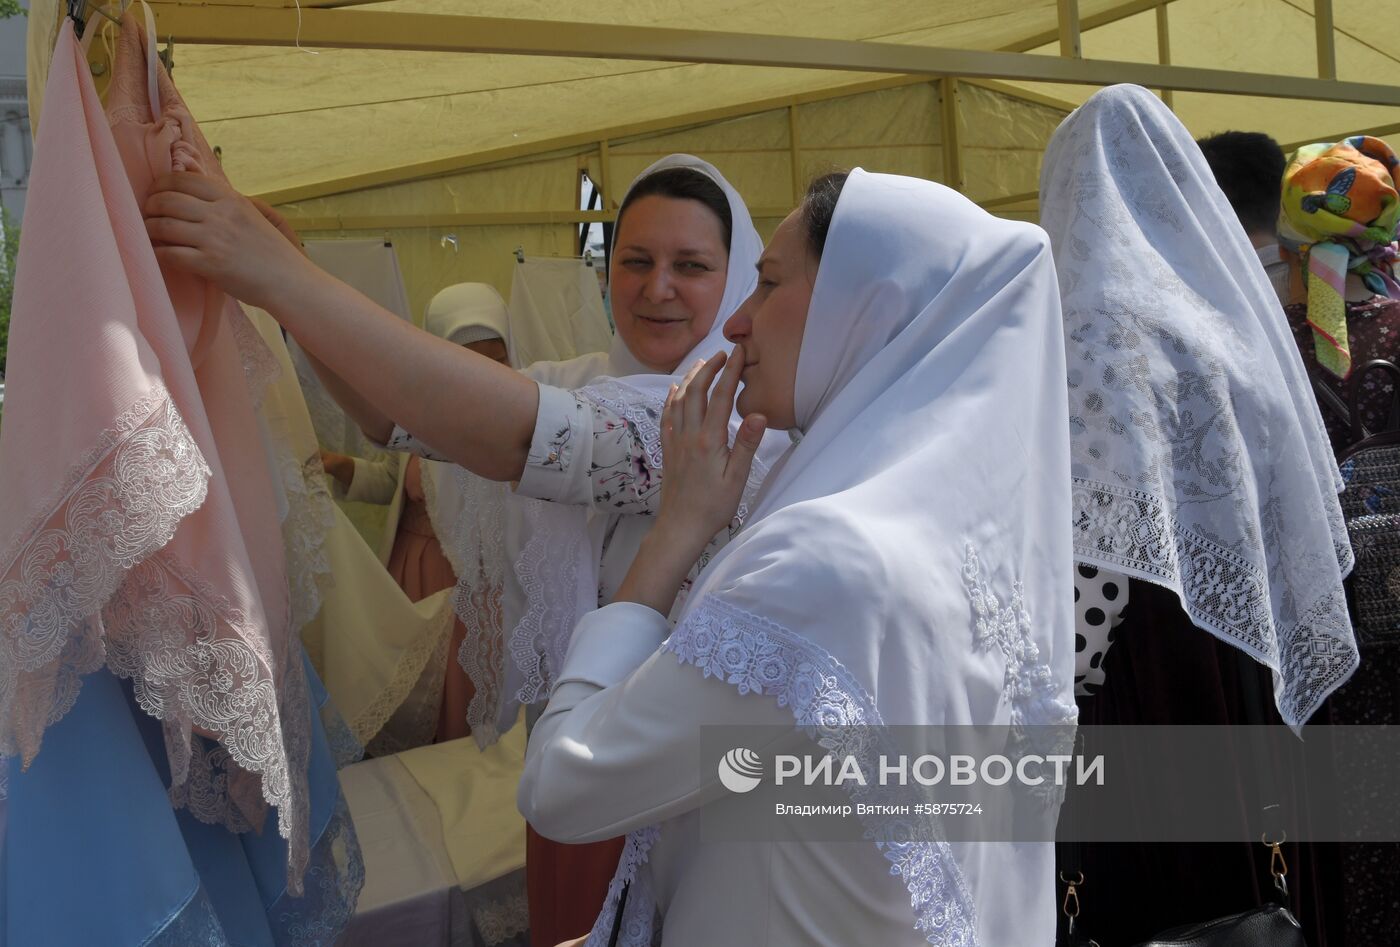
[549, 547]
[468, 312]
[909, 563]
[1200, 460]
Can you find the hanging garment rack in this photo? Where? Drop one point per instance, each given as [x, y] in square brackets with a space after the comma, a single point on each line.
[587, 257]
[78, 10]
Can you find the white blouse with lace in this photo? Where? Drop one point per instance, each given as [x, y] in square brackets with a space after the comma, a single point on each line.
[626, 714]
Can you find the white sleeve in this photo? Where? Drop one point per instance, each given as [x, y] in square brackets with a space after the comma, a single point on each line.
[374, 481]
[619, 745]
[583, 453]
[405, 443]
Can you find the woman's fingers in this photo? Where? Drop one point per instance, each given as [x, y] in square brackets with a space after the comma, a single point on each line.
[175, 205]
[188, 259]
[721, 402]
[745, 447]
[696, 392]
[195, 185]
[173, 232]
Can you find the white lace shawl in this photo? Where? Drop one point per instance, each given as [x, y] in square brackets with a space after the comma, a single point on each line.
[1200, 459]
[909, 562]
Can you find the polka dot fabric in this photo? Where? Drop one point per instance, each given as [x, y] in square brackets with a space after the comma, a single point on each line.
[1100, 597]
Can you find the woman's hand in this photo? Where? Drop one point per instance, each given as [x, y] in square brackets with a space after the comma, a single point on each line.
[702, 480]
[205, 227]
[339, 466]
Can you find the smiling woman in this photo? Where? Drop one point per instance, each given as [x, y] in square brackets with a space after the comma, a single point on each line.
[670, 265]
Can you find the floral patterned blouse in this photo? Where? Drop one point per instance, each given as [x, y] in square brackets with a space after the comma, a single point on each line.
[580, 453]
[586, 454]
[1373, 330]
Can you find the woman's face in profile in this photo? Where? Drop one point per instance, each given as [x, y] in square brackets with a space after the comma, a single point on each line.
[667, 278]
[494, 349]
[771, 322]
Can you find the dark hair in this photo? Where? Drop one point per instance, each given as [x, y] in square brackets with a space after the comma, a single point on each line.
[818, 206]
[1248, 166]
[682, 184]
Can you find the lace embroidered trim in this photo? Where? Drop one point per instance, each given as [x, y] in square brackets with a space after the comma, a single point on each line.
[89, 583]
[368, 724]
[334, 878]
[476, 549]
[1129, 531]
[414, 721]
[759, 656]
[548, 572]
[310, 517]
[260, 367]
[196, 922]
[632, 406]
[118, 505]
[548, 566]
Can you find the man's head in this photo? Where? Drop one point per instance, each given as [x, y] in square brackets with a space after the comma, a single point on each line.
[1248, 166]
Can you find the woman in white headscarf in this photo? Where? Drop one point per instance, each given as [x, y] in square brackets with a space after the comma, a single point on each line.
[682, 261]
[907, 563]
[1205, 491]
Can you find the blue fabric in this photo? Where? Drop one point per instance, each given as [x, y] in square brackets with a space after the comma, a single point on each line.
[94, 854]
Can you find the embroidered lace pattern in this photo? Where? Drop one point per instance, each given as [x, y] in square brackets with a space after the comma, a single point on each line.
[548, 566]
[334, 877]
[1222, 590]
[89, 583]
[1040, 720]
[59, 570]
[196, 922]
[310, 517]
[260, 367]
[371, 721]
[758, 656]
[475, 546]
[1199, 455]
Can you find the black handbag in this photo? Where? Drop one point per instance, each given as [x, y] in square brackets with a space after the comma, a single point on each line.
[1269, 926]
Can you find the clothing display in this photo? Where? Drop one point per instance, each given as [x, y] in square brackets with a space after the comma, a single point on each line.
[1036, 470]
[444, 846]
[1200, 461]
[924, 307]
[149, 603]
[556, 311]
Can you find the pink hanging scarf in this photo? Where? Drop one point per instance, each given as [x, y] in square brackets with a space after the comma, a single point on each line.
[138, 523]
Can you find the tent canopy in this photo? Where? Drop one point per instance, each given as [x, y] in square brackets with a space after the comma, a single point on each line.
[412, 118]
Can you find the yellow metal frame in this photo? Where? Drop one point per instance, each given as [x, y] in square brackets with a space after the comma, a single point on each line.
[277, 26]
[326, 24]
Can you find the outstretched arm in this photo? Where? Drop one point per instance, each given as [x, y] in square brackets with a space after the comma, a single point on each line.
[473, 410]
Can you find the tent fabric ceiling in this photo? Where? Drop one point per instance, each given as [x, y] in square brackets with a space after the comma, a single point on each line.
[288, 118]
[285, 117]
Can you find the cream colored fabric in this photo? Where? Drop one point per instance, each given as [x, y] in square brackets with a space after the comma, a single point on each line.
[374, 649]
[556, 311]
[474, 792]
[431, 822]
[380, 656]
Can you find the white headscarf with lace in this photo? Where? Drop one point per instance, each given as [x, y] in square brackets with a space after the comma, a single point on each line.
[909, 561]
[1199, 457]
